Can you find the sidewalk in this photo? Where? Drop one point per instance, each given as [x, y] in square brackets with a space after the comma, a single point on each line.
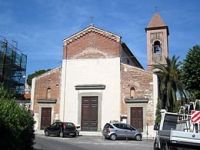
[41, 132]
[89, 133]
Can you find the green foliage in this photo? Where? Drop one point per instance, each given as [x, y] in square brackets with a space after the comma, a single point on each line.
[35, 74]
[16, 125]
[169, 84]
[5, 93]
[191, 72]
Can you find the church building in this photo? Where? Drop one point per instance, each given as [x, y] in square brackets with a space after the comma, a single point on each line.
[100, 80]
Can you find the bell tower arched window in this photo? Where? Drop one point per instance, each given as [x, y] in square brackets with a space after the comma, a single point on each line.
[157, 47]
[132, 92]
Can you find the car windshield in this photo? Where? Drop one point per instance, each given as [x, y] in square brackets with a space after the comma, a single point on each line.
[129, 127]
[69, 125]
[108, 126]
[170, 122]
[54, 125]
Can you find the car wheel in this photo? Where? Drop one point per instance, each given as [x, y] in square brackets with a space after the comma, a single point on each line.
[113, 137]
[61, 134]
[138, 137]
[74, 135]
[46, 133]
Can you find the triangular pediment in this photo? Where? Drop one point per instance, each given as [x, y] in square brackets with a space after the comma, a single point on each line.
[94, 29]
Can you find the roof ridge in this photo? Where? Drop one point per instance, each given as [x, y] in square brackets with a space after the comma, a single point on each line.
[134, 67]
[92, 28]
[46, 73]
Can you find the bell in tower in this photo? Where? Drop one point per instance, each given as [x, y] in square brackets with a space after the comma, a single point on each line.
[157, 41]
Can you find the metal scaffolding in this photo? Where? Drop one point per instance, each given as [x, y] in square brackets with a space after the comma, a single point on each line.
[12, 67]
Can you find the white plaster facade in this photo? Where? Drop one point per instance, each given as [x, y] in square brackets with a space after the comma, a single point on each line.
[100, 65]
[155, 91]
[103, 71]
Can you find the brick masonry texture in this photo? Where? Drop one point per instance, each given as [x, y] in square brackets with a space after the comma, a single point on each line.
[50, 79]
[95, 45]
[141, 80]
[104, 46]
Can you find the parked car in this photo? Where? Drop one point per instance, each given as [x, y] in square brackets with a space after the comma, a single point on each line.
[121, 130]
[61, 129]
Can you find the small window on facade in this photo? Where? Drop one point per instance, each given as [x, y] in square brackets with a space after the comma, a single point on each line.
[157, 47]
[132, 92]
[48, 93]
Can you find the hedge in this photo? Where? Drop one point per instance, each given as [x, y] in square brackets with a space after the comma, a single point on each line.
[16, 126]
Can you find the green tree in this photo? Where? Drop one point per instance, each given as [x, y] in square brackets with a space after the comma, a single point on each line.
[169, 83]
[16, 124]
[5, 93]
[35, 74]
[191, 72]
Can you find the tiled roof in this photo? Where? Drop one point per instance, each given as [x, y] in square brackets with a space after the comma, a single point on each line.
[156, 21]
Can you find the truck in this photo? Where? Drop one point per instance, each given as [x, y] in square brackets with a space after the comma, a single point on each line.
[179, 131]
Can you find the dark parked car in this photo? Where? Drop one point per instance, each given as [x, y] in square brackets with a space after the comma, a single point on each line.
[61, 129]
[121, 130]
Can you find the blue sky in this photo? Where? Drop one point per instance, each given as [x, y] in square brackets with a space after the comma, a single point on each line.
[39, 26]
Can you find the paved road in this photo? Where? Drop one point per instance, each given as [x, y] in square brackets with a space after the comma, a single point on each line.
[89, 143]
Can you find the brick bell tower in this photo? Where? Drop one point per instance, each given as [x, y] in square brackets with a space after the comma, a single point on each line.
[157, 41]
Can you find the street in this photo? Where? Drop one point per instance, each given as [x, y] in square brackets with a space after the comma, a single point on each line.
[89, 143]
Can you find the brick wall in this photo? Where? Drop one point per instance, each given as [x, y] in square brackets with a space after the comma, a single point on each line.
[50, 79]
[101, 46]
[141, 80]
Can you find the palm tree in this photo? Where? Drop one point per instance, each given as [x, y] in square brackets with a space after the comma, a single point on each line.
[169, 83]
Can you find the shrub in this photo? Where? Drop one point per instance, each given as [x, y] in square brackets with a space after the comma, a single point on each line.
[5, 93]
[16, 126]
